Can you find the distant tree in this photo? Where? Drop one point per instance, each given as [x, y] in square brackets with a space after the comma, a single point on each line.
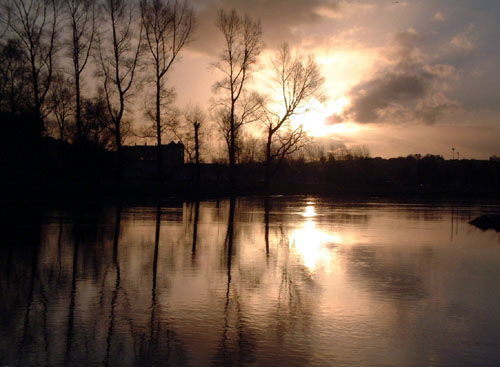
[14, 79]
[235, 107]
[4, 22]
[97, 123]
[192, 131]
[82, 21]
[34, 23]
[253, 150]
[61, 104]
[168, 26]
[119, 51]
[299, 80]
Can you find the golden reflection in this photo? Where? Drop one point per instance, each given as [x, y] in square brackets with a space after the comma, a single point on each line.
[309, 211]
[313, 245]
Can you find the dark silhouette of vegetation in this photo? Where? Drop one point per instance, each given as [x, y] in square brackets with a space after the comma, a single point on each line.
[47, 93]
[235, 107]
[15, 79]
[119, 51]
[82, 20]
[34, 24]
[61, 104]
[168, 27]
[191, 132]
[299, 80]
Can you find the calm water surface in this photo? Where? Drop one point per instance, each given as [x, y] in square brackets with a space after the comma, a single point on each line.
[291, 281]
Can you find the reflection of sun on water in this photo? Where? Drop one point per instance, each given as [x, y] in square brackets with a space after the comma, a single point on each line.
[309, 212]
[313, 244]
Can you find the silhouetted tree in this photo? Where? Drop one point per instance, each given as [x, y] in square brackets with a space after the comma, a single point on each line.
[119, 51]
[191, 132]
[97, 123]
[170, 116]
[252, 151]
[168, 26]
[14, 79]
[243, 43]
[60, 101]
[299, 80]
[82, 20]
[4, 23]
[34, 23]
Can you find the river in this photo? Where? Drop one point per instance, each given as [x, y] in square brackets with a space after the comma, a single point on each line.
[287, 281]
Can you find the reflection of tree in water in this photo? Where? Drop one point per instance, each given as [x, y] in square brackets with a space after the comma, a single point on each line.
[71, 311]
[295, 304]
[195, 233]
[162, 346]
[237, 344]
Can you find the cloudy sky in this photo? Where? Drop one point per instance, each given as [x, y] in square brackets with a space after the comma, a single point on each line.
[402, 77]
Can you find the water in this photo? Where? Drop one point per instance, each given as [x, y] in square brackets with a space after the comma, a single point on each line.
[294, 281]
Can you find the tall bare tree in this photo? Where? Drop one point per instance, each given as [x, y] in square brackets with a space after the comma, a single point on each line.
[34, 23]
[82, 21]
[168, 27]
[119, 51]
[243, 43]
[299, 80]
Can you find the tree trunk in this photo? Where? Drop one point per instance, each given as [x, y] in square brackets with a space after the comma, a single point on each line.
[159, 157]
[267, 178]
[232, 150]
[197, 153]
[118, 141]
[78, 109]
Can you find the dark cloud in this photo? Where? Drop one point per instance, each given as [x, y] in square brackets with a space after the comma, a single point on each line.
[407, 90]
[386, 94]
[282, 21]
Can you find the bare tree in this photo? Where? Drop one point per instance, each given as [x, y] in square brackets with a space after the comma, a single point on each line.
[14, 79]
[4, 22]
[299, 80]
[119, 50]
[34, 23]
[191, 132]
[253, 150]
[243, 43]
[168, 26]
[60, 101]
[170, 115]
[97, 124]
[81, 16]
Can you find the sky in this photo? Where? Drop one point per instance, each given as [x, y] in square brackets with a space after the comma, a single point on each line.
[401, 77]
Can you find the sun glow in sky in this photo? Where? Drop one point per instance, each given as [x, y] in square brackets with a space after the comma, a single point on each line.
[316, 119]
[401, 77]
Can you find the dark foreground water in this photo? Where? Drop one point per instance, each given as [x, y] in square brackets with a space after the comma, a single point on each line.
[293, 281]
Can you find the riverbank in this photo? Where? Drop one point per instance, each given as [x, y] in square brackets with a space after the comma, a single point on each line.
[151, 191]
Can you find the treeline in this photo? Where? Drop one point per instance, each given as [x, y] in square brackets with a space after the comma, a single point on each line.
[72, 70]
[414, 174]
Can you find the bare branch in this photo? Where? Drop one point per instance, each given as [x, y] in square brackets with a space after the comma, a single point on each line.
[243, 43]
[119, 55]
[299, 80]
